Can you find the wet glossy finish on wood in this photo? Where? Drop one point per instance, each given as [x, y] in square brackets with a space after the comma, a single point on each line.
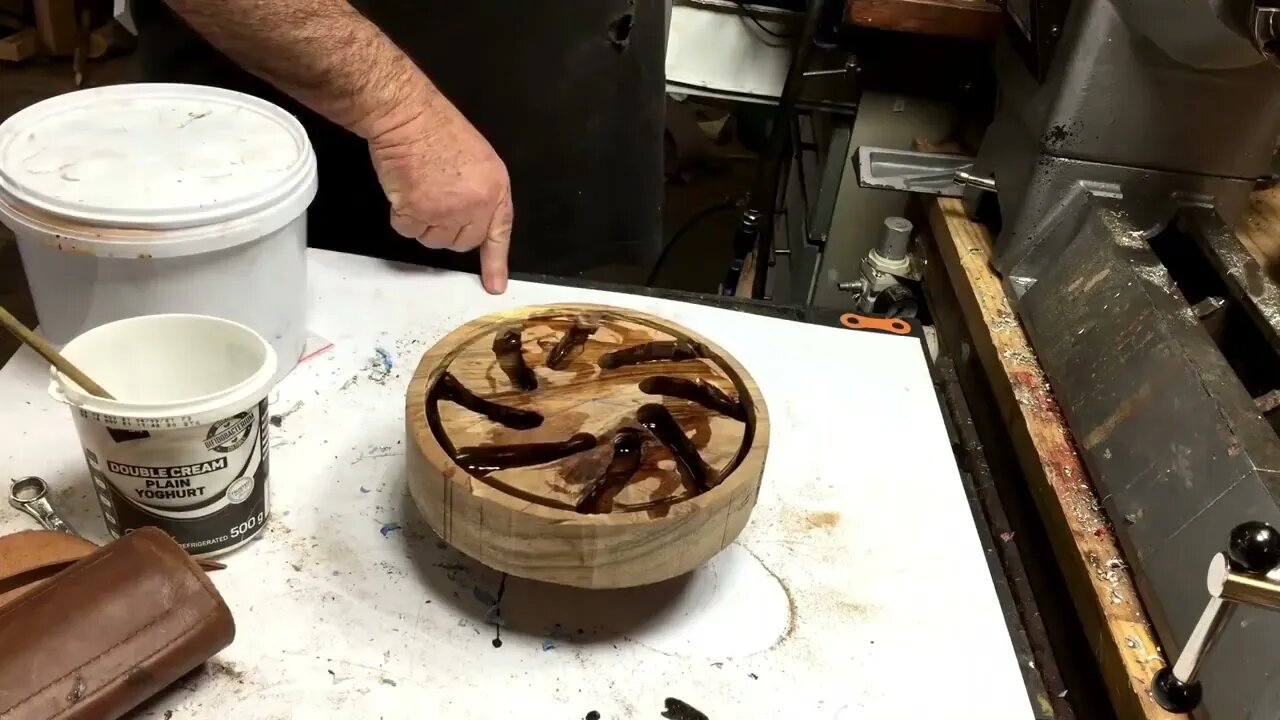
[647, 431]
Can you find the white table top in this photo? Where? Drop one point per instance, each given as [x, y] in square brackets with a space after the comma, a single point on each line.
[858, 590]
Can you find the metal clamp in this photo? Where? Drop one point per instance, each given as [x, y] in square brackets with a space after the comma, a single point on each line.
[30, 495]
[1240, 576]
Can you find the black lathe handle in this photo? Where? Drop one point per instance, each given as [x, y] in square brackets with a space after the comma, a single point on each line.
[1238, 577]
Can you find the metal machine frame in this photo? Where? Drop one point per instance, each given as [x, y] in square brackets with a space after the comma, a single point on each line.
[1120, 169]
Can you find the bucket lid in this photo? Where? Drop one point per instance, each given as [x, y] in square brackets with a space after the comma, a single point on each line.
[152, 157]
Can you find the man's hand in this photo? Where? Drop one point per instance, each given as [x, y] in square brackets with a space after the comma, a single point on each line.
[448, 188]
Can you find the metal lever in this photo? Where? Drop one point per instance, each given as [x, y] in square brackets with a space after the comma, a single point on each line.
[963, 177]
[1239, 576]
[29, 495]
[850, 66]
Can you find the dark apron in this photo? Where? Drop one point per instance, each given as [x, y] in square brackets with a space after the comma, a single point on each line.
[569, 93]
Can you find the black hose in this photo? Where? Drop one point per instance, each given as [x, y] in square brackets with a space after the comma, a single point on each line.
[750, 15]
[756, 231]
[688, 225]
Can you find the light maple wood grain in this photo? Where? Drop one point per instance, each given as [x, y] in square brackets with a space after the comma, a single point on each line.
[523, 520]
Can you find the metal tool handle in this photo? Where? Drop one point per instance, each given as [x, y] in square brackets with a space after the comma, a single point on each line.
[964, 177]
[1238, 577]
[30, 495]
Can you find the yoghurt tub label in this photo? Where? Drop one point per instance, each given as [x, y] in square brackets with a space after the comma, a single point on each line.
[205, 485]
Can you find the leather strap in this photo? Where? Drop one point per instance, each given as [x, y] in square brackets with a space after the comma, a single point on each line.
[29, 558]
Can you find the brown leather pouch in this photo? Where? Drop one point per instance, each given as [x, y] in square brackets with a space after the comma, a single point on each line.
[105, 634]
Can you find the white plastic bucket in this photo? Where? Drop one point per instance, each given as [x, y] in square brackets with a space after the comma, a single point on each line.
[152, 198]
[183, 447]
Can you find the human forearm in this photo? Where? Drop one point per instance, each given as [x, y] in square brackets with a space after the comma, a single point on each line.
[322, 52]
[446, 186]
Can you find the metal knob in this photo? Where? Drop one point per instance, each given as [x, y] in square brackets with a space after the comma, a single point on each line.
[1254, 547]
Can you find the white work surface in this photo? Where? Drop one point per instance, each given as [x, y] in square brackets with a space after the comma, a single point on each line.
[859, 589]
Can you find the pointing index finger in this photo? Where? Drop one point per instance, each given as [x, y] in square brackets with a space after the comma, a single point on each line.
[494, 249]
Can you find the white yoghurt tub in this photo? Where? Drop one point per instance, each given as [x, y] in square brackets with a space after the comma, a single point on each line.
[161, 198]
[184, 444]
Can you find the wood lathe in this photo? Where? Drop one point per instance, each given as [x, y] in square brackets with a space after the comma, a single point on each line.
[1128, 138]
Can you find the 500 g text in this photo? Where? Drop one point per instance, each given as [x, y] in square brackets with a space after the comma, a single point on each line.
[248, 525]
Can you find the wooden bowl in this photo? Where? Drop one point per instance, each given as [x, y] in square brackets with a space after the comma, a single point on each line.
[584, 445]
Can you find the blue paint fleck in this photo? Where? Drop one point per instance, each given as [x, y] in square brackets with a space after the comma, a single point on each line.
[364, 490]
[385, 357]
[389, 528]
[553, 637]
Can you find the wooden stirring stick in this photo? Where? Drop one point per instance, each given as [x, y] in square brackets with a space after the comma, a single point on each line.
[37, 343]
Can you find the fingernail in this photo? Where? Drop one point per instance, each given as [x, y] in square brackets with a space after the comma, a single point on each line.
[493, 284]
